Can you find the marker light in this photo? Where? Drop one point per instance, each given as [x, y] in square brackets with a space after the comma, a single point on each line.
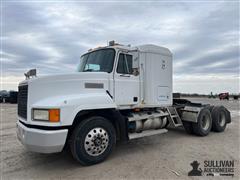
[54, 115]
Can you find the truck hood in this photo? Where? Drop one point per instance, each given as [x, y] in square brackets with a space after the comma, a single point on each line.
[40, 88]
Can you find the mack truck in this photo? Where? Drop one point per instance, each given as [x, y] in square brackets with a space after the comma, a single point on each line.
[118, 93]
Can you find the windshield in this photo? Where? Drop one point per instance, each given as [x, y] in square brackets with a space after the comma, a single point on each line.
[97, 61]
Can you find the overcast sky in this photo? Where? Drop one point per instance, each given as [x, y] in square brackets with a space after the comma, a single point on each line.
[51, 36]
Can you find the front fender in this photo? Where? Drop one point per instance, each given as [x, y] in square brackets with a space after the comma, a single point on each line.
[70, 105]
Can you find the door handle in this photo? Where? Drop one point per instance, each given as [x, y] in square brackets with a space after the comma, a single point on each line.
[124, 75]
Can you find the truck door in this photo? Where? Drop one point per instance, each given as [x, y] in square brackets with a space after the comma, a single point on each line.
[126, 82]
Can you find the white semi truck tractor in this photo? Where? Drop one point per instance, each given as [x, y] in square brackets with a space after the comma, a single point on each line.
[119, 93]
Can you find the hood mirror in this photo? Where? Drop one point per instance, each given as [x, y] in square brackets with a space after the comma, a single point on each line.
[31, 73]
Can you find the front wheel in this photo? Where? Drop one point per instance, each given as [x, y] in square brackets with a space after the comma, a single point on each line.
[93, 140]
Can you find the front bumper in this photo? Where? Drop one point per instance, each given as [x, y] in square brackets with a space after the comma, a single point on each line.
[42, 141]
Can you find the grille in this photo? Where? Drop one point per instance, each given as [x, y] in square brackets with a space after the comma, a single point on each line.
[22, 101]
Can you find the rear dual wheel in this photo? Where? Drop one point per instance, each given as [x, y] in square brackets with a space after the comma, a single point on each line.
[188, 127]
[204, 123]
[210, 118]
[219, 116]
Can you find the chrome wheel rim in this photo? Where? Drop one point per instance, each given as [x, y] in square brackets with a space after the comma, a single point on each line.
[96, 141]
[205, 123]
[222, 119]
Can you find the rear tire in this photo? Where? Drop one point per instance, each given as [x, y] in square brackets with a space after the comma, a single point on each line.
[188, 127]
[93, 140]
[204, 123]
[219, 117]
[210, 108]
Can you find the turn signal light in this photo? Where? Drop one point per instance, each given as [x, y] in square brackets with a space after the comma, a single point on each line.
[54, 115]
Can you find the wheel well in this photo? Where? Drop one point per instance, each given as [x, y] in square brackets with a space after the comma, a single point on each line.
[113, 115]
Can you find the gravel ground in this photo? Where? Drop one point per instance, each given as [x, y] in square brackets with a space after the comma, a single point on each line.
[165, 156]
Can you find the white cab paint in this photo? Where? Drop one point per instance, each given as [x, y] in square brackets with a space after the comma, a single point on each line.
[156, 63]
[127, 86]
[152, 87]
[68, 92]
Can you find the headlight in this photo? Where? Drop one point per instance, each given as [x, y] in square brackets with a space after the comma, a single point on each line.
[52, 115]
[41, 114]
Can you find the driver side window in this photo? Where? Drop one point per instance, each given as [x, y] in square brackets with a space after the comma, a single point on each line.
[124, 64]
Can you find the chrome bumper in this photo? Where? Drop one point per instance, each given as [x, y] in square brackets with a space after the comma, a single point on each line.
[42, 141]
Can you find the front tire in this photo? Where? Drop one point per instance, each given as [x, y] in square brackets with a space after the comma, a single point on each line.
[93, 140]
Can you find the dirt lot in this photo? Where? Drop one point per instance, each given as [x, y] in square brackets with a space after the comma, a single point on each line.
[166, 156]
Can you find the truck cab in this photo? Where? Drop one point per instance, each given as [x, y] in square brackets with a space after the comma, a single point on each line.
[118, 93]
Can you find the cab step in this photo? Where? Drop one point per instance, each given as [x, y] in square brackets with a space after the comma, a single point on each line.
[175, 120]
[146, 133]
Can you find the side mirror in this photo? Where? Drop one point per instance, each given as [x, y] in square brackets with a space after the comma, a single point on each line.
[135, 71]
[135, 63]
[31, 73]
